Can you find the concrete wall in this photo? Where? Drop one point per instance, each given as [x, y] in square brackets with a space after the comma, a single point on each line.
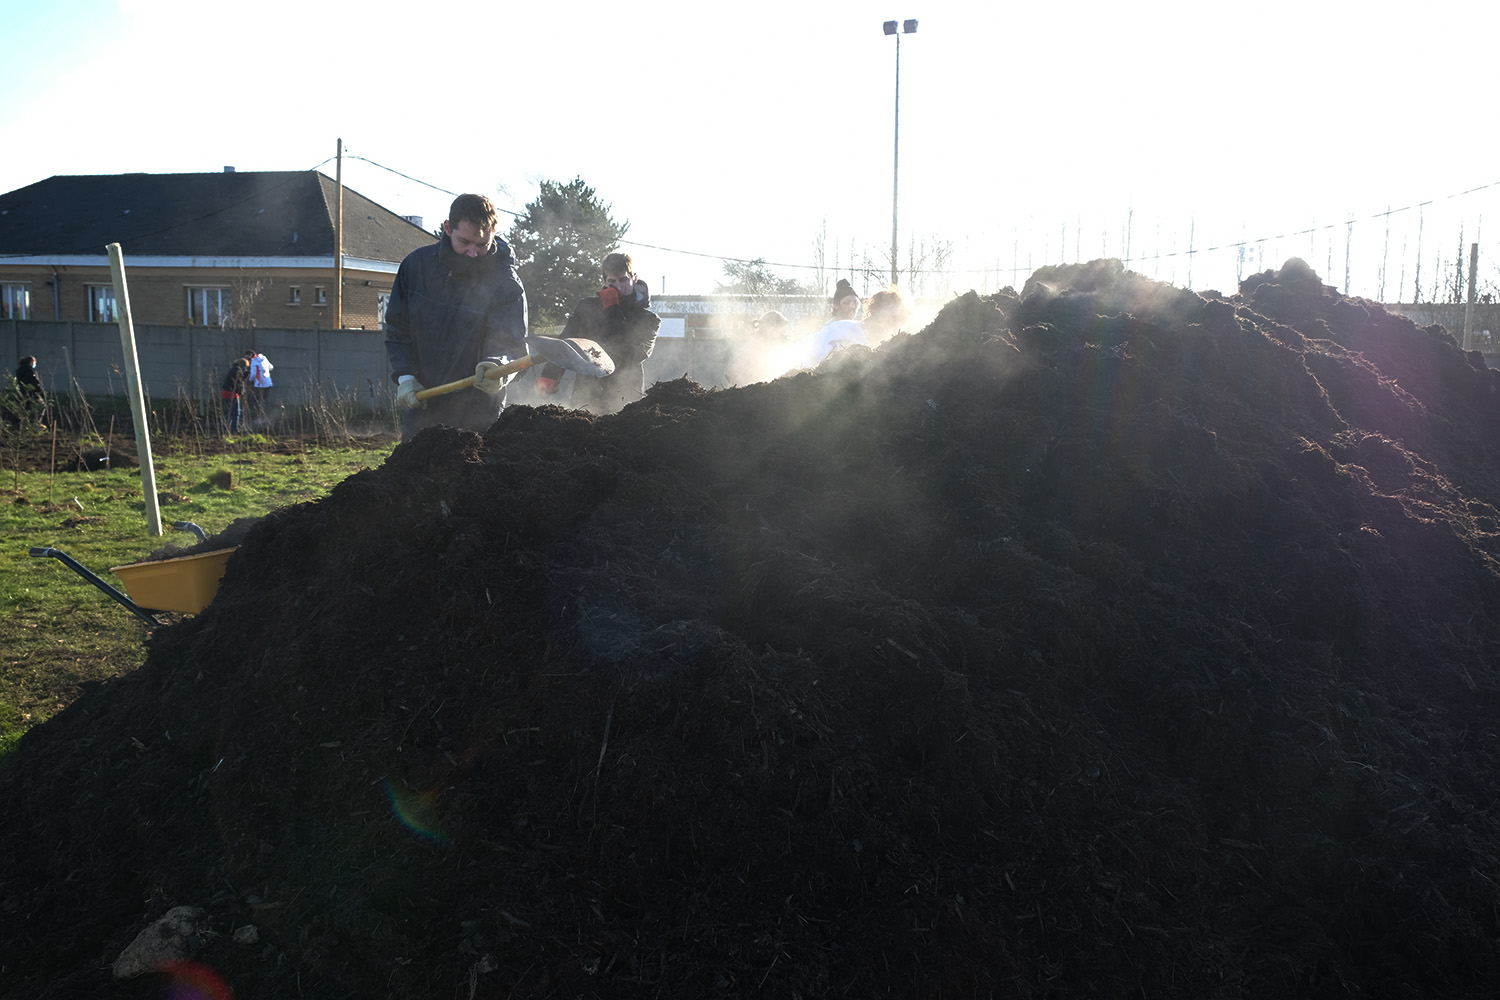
[1451, 318]
[311, 365]
[190, 362]
[314, 366]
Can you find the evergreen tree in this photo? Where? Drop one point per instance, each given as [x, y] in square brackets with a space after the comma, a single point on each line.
[559, 243]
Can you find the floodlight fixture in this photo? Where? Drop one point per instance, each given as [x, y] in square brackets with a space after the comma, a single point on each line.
[908, 27]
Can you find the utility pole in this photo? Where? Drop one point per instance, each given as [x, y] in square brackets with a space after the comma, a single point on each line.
[338, 244]
[907, 27]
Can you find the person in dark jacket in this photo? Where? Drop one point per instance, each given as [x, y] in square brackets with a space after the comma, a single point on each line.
[619, 319]
[32, 402]
[232, 389]
[457, 309]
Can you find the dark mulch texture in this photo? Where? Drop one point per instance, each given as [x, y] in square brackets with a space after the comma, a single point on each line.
[1107, 640]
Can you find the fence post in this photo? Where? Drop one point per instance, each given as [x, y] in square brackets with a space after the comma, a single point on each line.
[1469, 304]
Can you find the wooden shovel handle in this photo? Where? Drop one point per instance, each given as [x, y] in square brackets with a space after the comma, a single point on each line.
[468, 383]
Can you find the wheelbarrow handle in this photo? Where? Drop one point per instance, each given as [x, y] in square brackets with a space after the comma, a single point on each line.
[42, 552]
[468, 383]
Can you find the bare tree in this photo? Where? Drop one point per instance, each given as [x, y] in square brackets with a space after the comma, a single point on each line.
[928, 264]
[820, 259]
[244, 292]
[754, 278]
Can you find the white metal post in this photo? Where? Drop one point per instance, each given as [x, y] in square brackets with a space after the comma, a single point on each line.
[133, 387]
[907, 27]
[896, 162]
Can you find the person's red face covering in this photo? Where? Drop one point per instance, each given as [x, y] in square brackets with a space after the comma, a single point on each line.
[617, 288]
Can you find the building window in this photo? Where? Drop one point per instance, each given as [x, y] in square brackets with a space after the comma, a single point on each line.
[294, 295]
[320, 295]
[382, 299]
[15, 301]
[102, 305]
[207, 306]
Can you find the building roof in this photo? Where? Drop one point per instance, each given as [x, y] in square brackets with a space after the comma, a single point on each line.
[265, 214]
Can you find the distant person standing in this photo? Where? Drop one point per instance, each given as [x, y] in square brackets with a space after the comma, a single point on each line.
[843, 329]
[232, 388]
[619, 319]
[457, 309]
[260, 382]
[32, 403]
[764, 352]
[886, 313]
[26, 375]
[771, 329]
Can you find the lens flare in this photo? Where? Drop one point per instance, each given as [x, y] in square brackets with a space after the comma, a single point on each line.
[417, 810]
[192, 981]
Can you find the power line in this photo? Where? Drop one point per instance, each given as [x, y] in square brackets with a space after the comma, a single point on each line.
[1168, 255]
[931, 272]
[1317, 229]
[417, 180]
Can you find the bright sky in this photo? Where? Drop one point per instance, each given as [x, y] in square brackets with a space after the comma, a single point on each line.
[1029, 134]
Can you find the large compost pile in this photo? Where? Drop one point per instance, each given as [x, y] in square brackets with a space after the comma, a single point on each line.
[1104, 640]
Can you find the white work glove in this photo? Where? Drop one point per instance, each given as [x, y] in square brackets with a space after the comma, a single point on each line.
[489, 385]
[406, 394]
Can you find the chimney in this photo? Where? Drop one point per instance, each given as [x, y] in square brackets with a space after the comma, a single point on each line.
[415, 220]
[229, 170]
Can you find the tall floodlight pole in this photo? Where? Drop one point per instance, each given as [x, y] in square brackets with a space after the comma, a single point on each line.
[908, 27]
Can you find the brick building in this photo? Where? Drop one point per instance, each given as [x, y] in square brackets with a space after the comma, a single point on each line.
[231, 249]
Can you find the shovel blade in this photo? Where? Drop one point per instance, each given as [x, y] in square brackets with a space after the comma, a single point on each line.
[573, 353]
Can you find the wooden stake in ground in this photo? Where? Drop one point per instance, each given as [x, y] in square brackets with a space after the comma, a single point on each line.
[133, 387]
[1468, 340]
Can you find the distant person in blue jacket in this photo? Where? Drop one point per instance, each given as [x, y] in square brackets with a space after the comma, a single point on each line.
[258, 388]
[457, 309]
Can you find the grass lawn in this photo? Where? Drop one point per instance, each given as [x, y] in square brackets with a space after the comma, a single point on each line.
[58, 632]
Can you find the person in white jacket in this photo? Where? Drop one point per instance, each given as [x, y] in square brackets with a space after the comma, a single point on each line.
[260, 382]
[843, 328]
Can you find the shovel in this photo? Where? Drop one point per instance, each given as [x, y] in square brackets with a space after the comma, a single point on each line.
[573, 353]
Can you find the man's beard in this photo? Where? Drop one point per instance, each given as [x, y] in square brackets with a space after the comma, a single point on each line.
[464, 264]
[460, 263]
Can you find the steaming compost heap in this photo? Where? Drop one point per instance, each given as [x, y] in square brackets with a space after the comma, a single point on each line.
[1105, 640]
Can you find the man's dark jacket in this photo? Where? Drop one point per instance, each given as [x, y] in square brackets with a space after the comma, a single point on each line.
[234, 379]
[446, 314]
[26, 376]
[627, 332]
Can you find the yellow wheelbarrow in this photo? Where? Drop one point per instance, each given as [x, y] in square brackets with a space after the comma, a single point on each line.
[186, 584]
